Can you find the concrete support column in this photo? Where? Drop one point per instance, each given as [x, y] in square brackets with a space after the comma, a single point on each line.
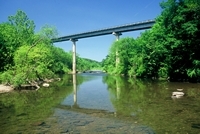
[118, 90]
[117, 34]
[74, 56]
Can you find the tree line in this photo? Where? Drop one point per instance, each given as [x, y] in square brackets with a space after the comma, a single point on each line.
[170, 49]
[27, 56]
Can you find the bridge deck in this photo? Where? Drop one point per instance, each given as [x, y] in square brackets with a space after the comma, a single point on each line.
[124, 28]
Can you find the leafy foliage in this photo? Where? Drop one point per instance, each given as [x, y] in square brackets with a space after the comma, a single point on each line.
[27, 56]
[23, 25]
[84, 64]
[169, 49]
[8, 44]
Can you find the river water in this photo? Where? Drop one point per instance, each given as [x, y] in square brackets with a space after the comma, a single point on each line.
[100, 103]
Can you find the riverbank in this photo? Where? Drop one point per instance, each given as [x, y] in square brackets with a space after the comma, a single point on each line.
[4, 88]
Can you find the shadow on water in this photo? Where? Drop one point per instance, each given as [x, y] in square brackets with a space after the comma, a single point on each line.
[100, 103]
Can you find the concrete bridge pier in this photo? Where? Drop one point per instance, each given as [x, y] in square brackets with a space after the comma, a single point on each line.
[118, 90]
[117, 34]
[74, 55]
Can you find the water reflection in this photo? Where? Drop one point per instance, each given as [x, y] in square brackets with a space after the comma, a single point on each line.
[75, 91]
[21, 111]
[92, 102]
[150, 103]
[141, 102]
[118, 89]
[91, 94]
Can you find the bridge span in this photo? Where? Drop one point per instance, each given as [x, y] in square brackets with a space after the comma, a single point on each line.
[117, 31]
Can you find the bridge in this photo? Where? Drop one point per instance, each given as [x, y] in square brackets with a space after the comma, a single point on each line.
[117, 31]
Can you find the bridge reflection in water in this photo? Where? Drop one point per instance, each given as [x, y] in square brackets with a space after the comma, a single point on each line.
[93, 107]
[138, 101]
[75, 98]
[75, 106]
[75, 91]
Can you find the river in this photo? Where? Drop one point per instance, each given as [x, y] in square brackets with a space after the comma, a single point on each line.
[100, 103]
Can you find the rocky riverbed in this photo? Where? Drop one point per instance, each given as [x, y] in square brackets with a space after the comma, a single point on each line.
[69, 122]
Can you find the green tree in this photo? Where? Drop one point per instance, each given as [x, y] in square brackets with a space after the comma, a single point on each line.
[29, 56]
[8, 44]
[169, 49]
[181, 29]
[62, 61]
[84, 64]
[18, 31]
[24, 27]
[108, 64]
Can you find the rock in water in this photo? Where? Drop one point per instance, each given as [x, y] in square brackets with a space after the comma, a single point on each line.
[4, 88]
[177, 93]
[45, 84]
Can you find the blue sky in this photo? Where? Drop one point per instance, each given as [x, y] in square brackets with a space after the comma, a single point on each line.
[77, 16]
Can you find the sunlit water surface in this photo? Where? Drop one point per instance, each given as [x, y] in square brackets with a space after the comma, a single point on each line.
[99, 103]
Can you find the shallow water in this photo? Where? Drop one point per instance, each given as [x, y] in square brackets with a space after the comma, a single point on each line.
[99, 103]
